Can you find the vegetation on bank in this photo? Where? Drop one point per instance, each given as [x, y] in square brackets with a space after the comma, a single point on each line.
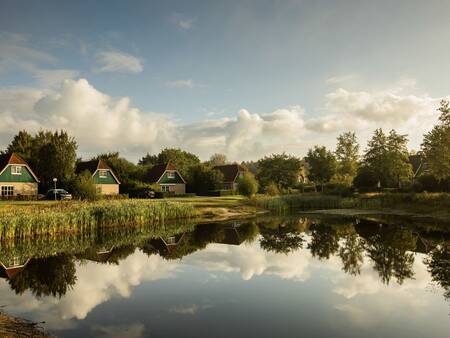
[78, 217]
[436, 204]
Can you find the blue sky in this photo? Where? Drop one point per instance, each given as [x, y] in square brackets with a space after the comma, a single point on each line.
[341, 64]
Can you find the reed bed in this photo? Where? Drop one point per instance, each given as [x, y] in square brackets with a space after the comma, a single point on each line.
[423, 202]
[84, 217]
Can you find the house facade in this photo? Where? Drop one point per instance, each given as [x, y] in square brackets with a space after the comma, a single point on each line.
[168, 178]
[16, 177]
[106, 182]
[231, 174]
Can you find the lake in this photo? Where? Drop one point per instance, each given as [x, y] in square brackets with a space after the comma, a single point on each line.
[311, 276]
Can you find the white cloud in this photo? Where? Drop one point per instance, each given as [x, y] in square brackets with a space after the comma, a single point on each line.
[180, 83]
[102, 123]
[340, 79]
[53, 77]
[364, 111]
[115, 61]
[182, 21]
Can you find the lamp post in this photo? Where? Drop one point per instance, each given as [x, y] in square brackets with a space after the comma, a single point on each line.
[54, 190]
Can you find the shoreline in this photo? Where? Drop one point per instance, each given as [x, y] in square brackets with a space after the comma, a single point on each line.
[12, 327]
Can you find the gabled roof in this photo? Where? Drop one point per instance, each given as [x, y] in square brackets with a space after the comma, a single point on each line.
[156, 172]
[13, 158]
[230, 171]
[92, 166]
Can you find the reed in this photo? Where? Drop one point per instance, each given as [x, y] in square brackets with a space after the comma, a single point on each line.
[83, 217]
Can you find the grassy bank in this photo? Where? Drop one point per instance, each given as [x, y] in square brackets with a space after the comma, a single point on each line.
[435, 205]
[19, 221]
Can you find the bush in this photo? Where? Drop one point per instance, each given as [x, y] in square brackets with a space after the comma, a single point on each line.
[247, 185]
[83, 186]
[338, 189]
[220, 193]
[272, 189]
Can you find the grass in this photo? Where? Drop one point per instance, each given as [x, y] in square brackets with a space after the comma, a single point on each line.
[19, 220]
[434, 204]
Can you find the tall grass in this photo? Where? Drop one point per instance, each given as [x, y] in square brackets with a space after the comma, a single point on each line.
[423, 202]
[81, 217]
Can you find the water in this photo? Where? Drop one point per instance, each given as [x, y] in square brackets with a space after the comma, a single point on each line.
[271, 277]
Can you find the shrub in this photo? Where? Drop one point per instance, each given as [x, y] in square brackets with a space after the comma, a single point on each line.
[247, 185]
[83, 186]
[272, 189]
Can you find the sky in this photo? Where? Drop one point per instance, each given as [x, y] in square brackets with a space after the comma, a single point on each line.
[243, 78]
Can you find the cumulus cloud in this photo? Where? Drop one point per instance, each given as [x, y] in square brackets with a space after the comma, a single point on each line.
[119, 62]
[96, 284]
[104, 123]
[180, 83]
[53, 77]
[364, 111]
[101, 123]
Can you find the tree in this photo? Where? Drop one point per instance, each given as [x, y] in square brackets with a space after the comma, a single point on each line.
[436, 145]
[51, 154]
[387, 158]
[347, 155]
[182, 160]
[22, 144]
[322, 165]
[204, 179]
[217, 159]
[247, 185]
[281, 169]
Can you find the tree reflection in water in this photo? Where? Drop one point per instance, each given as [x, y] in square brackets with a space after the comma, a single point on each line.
[51, 276]
[390, 248]
[438, 264]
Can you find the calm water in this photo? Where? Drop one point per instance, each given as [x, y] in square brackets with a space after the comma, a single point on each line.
[272, 277]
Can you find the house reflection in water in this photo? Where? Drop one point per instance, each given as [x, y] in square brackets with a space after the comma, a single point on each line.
[10, 268]
[231, 235]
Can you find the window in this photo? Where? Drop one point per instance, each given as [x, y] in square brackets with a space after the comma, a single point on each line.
[7, 190]
[165, 188]
[16, 170]
[170, 174]
[103, 173]
[98, 189]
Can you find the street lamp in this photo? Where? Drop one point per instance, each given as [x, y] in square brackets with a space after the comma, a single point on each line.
[54, 190]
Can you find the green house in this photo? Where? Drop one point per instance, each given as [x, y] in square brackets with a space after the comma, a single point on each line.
[168, 178]
[105, 180]
[16, 177]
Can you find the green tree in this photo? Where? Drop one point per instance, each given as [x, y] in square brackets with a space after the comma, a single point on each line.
[281, 169]
[247, 185]
[387, 158]
[182, 160]
[51, 154]
[22, 144]
[436, 145]
[203, 179]
[322, 165]
[217, 159]
[347, 155]
[55, 157]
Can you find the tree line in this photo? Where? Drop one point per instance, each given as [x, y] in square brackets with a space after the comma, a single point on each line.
[385, 163]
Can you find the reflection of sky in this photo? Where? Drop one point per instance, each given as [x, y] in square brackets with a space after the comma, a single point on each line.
[237, 290]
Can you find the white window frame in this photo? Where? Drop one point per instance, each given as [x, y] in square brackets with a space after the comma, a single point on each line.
[171, 174]
[165, 188]
[103, 173]
[7, 190]
[16, 170]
